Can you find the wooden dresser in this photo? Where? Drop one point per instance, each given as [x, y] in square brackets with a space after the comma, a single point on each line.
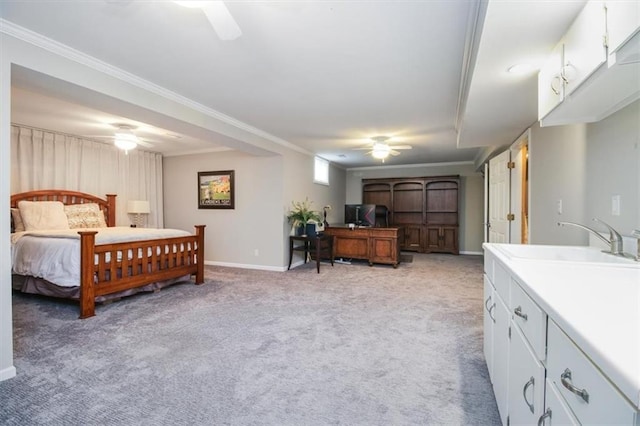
[376, 245]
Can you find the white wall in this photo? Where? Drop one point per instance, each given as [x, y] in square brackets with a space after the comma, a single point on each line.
[557, 171]
[584, 165]
[7, 369]
[613, 162]
[264, 190]
[471, 198]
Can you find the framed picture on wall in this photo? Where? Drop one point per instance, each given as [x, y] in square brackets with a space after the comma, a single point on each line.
[216, 190]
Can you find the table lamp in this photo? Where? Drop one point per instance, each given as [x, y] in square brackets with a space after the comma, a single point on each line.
[137, 208]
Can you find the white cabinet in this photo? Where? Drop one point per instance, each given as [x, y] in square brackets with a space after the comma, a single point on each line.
[501, 358]
[589, 395]
[550, 83]
[496, 331]
[526, 381]
[623, 20]
[584, 46]
[556, 410]
[540, 375]
[589, 85]
[489, 321]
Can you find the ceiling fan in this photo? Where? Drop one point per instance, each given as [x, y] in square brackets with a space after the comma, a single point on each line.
[381, 149]
[218, 15]
[124, 138]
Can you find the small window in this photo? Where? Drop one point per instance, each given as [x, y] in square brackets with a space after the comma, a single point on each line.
[321, 171]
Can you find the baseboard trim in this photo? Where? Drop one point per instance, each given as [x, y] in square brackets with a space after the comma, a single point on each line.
[248, 266]
[7, 373]
[474, 253]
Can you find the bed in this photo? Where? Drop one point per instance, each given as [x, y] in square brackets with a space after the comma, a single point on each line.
[99, 261]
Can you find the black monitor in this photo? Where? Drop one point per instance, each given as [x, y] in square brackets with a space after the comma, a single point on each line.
[360, 214]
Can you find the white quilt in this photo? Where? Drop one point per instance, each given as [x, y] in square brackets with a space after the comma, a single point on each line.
[55, 255]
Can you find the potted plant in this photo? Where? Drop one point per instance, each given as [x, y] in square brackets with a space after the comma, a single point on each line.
[301, 215]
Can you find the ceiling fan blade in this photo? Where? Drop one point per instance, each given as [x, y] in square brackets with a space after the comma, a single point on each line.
[401, 147]
[221, 20]
[394, 153]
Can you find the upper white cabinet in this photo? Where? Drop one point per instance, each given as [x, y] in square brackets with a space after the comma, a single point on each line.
[550, 82]
[591, 82]
[584, 46]
[623, 17]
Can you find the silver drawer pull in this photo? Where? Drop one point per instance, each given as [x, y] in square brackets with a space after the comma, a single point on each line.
[544, 416]
[518, 312]
[524, 393]
[490, 308]
[565, 378]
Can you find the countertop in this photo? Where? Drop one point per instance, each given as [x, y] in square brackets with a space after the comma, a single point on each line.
[596, 304]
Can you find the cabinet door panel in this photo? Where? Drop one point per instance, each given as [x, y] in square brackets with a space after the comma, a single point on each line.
[383, 249]
[412, 237]
[449, 239]
[526, 381]
[623, 20]
[433, 238]
[550, 87]
[501, 358]
[489, 307]
[584, 49]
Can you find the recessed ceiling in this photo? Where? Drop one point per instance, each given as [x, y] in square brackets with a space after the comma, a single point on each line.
[325, 76]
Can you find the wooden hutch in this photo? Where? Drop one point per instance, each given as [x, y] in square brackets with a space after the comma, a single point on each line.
[425, 208]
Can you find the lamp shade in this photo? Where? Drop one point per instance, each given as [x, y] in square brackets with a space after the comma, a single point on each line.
[138, 207]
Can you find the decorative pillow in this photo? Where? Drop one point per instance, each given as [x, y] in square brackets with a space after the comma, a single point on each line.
[86, 215]
[16, 220]
[38, 215]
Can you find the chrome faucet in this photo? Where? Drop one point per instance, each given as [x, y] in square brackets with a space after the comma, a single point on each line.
[614, 241]
[636, 234]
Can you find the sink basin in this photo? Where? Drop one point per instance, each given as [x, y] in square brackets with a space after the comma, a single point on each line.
[563, 254]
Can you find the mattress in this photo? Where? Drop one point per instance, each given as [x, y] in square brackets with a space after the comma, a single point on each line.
[55, 255]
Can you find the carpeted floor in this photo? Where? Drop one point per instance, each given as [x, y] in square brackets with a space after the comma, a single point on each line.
[353, 345]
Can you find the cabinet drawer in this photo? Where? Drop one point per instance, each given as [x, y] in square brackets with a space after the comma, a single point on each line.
[529, 318]
[501, 281]
[600, 401]
[488, 264]
[557, 412]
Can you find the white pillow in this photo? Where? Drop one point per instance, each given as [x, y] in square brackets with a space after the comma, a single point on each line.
[18, 226]
[86, 215]
[39, 215]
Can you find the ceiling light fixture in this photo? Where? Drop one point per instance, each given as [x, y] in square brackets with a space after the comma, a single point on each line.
[125, 139]
[380, 151]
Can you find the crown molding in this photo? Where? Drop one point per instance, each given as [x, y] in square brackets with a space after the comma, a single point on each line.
[60, 49]
[410, 166]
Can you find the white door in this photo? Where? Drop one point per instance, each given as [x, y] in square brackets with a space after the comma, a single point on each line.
[499, 189]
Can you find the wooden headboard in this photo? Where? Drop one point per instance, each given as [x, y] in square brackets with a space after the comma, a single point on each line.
[108, 206]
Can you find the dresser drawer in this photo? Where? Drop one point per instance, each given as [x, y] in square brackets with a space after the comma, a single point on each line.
[589, 394]
[530, 318]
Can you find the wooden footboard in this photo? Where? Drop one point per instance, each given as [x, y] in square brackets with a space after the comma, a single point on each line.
[109, 268]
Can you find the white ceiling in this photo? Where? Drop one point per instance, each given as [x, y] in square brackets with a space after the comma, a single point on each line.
[323, 75]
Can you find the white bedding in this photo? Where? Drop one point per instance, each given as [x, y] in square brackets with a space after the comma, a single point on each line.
[55, 255]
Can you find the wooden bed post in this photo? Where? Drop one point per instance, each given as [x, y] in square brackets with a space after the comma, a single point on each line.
[87, 266]
[111, 213]
[200, 256]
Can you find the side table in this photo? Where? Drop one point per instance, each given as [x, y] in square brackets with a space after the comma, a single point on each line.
[323, 244]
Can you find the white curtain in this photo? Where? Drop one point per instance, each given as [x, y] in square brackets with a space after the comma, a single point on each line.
[42, 159]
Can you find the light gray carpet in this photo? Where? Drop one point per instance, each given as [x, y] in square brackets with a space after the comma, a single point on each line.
[353, 345]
